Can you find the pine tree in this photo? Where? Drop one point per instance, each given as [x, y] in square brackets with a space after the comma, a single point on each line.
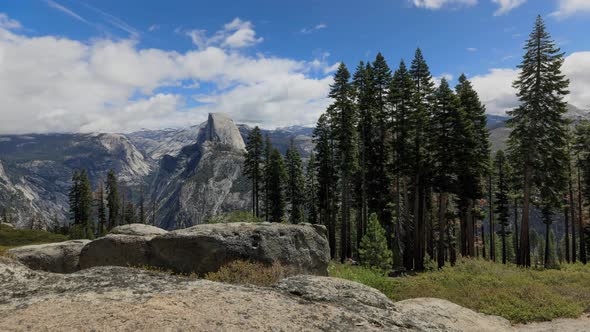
[342, 113]
[311, 191]
[253, 166]
[142, 219]
[400, 99]
[373, 250]
[502, 172]
[538, 134]
[582, 149]
[423, 88]
[473, 161]
[74, 198]
[378, 177]
[295, 184]
[113, 200]
[276, 187]
[446, 129]
[265, 176]
[130, 216]
[101, 210]
[324, 148]
[85, 205]
[364, 92]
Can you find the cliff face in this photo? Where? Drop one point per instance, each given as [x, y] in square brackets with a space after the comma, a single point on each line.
[204, 179]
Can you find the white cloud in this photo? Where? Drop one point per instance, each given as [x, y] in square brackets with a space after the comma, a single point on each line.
[571, 7]
[314, 28]
[65, 10]
[507, 5]
[115, 86]
[153, 27]
[438, 4]
[446, 76]
[236, 34]
[472, 49]
[495, 88]
[8, 23]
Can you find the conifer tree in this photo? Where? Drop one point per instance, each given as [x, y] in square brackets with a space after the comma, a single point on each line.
[276, 187]
[473, 161]
[364, 92]
[538, 128]
[342, 113]
[373, 250]
[311, 191]
[400, 99]
[378, 176]
[74, 198]
[141, 216]
[101, 210]
[502, 173]
[582, 149]
[267, 151]
[253, 166]
[324, 148]
[295, 184]
[423, 88]
[113, 200]
[446, 124]
[85, 205]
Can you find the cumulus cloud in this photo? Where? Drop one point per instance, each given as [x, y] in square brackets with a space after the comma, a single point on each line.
[8, 23]
[438, 4]
[496, 91]
[507, 5]
[115, 86]
[571, 7]
[437, 79]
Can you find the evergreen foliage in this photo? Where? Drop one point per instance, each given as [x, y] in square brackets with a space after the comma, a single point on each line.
[373, 250]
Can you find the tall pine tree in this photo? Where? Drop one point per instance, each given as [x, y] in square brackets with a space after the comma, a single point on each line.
[538, 127]
[253, 166]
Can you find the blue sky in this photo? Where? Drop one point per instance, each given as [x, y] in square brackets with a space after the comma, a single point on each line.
[109, 65]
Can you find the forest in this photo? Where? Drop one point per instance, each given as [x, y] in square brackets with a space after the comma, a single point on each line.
[403, 176]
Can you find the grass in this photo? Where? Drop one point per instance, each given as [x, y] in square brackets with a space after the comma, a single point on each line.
[250, 273]
[10, 238]
[231, 217]
[520, 295]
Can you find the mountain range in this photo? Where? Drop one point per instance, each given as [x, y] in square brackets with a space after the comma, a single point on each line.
[187, 174]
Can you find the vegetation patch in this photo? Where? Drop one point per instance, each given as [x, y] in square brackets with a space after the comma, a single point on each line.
[231, 217]
[11, 237]
[250, 273]
[517, 294]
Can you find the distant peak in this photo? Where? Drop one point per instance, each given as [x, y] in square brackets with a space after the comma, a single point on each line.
[222, 129]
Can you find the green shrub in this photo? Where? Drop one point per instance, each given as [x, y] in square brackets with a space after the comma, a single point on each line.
[373, 251]
[518, 294]
[252, 273]
[11, 237]
[231, 217]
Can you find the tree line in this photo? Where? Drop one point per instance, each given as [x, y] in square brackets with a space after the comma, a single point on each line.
[94, 213]
[401, 160]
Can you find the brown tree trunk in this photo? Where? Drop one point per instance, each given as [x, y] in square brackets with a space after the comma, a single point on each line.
[442, 228]
[525, 249]
[581, 220]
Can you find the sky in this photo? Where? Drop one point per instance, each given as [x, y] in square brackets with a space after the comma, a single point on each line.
[122, 66]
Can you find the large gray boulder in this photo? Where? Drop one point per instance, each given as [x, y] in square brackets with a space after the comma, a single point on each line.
[125, 245]
[138, 230]
[60, 257]
[205, 248]
[116, 250]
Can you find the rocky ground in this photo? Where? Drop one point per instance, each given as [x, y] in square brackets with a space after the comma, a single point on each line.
[125, 299]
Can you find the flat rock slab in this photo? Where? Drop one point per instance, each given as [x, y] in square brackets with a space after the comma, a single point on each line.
[138, 230]
[116, 250]
[60, 257]
[126, 299]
